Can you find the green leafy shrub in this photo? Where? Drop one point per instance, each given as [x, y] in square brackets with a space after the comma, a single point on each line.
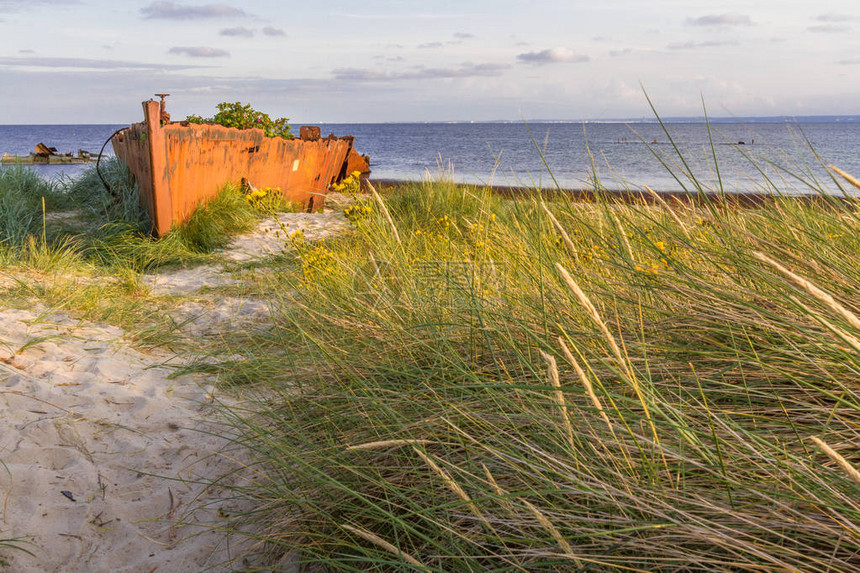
[245, 117]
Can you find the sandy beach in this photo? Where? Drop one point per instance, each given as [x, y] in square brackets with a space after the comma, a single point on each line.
[104, 456]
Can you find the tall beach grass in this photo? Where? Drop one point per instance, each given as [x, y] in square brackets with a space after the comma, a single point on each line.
[472, 383]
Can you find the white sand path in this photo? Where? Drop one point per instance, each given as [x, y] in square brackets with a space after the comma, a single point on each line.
[103, 456]
[101, 452]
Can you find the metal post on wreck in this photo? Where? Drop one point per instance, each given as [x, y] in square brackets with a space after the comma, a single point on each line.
[165, 117]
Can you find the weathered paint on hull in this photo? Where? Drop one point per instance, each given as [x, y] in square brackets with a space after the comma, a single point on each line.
[178, 165]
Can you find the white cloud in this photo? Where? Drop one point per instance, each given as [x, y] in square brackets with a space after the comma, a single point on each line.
[430, 45]
[552, 56]
[829, 29]
[174, 11]
[271, 31]
[731, 19]
[466, 70]
[622, 52]
[16, 5]
[834, 17]
[706, 44]
[393, 15]
[238, 32]
[88, 64]
[198, 52]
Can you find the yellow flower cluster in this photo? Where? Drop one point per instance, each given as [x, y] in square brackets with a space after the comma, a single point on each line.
[358, 211]
[651, 269]
[264, 198]
[296, 238]
[351, 185]
[255, 195]
[432, 236]
[319, 264]
[456, 238]
[596, 252]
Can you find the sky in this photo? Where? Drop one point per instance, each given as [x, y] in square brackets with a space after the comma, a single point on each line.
[94, 61]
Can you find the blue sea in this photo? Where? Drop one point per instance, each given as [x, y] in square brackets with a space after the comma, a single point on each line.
[568, 154]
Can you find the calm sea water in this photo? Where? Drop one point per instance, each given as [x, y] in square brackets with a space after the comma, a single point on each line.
[508, 153]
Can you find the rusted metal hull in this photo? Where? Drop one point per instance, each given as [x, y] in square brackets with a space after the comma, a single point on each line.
[357, 162]
[179, 165]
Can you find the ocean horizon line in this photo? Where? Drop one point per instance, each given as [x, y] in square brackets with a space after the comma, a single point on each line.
[640, 120]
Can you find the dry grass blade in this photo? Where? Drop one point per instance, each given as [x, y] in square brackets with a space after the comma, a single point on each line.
[586, 382]
[389, 444]
[385, 212]
[842, 462]
[552, 371]
[623, 364]
[595, 316]
[376, 540]
[495, 485]
[616, 351]
[852, 340]
[598, 405]
[453, 485]
[816, 292]
[668, 209]
[564, 236]
[623, 234]
[567, 550]
[846, 176]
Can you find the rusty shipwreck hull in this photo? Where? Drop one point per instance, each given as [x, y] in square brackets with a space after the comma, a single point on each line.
[178, 165]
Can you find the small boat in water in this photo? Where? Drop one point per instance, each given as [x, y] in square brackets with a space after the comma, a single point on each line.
[178, 165]
[44, 155]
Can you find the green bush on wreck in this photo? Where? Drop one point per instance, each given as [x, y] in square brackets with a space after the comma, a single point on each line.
[243, 116]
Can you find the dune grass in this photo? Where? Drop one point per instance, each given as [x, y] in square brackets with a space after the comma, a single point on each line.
[485, 384]
[22, 193]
